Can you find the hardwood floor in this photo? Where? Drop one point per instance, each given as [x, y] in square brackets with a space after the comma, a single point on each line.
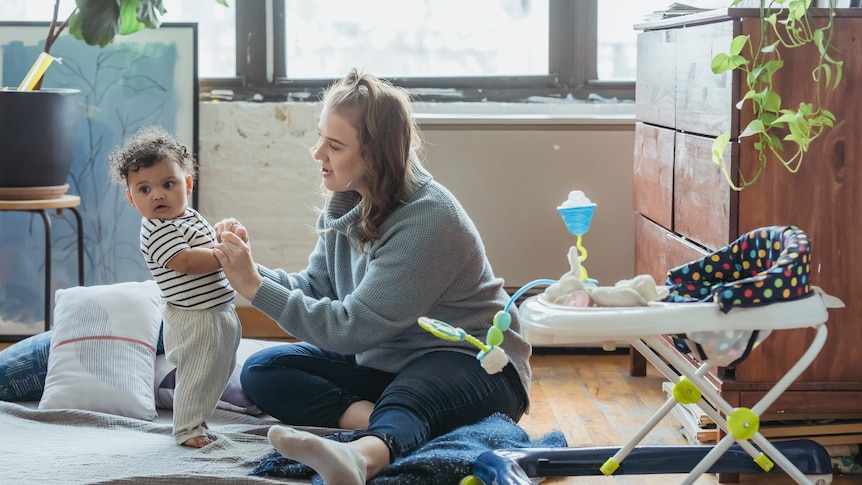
[592, 399]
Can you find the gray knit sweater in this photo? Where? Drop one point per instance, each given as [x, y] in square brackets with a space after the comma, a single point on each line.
[429, 261]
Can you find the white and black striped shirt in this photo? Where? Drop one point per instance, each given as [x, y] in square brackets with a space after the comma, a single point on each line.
[161, 240]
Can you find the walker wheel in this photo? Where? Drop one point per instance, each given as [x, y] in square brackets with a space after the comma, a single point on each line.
[685, 392]
[743, 423]
[471, 480]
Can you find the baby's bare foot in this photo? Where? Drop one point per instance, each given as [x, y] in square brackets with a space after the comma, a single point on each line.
[197, 442]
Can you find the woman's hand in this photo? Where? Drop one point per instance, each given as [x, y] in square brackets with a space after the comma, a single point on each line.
[234, 255]
[230, 225]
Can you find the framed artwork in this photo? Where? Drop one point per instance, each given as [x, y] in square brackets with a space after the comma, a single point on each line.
[147, 78]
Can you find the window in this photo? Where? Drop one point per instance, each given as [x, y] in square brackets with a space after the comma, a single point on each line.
[417, 38]
[495, 50]
[442, 50]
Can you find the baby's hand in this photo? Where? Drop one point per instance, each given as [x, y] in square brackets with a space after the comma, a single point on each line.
[230, 225]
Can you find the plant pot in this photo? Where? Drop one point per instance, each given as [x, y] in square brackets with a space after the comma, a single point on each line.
[38, 130]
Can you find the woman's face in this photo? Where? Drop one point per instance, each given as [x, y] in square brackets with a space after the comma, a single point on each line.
[338, 152]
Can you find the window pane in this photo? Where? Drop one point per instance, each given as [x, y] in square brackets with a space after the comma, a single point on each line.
[216, 28]
[216, 34]
[418, 38]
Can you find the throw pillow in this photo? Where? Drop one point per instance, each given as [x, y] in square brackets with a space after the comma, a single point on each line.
[103, 348]
[232, 399]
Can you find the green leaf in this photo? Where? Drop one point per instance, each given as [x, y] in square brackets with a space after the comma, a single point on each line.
[754, 127]
[788, 117]
[773, 141]
[129, 23]
[797, 9]
[723, 63]
[99, 21]
[771, 19]
[737, 44]
[768, 49]
[718, 146]
[768, 118]
[771, 101]
[839, 68]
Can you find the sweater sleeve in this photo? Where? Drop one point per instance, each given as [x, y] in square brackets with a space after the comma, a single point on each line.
[313, 281]
[408, 270]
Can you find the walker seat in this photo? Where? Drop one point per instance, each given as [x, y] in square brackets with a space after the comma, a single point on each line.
[721, 306]
[764, 266]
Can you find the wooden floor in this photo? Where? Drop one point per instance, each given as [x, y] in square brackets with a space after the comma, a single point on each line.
[592, 399]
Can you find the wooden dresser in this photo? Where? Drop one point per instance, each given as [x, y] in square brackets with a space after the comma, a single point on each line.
[686, 208]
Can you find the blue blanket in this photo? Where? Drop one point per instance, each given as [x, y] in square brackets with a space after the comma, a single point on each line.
[444, 460]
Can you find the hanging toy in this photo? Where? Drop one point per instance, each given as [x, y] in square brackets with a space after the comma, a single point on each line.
[492, 357]
[577, 212]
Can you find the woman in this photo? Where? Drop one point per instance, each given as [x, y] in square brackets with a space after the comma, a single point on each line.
[393, 245]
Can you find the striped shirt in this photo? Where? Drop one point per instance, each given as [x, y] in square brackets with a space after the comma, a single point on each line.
[161, 240]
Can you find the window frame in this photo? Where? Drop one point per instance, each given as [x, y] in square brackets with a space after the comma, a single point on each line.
[261, 65]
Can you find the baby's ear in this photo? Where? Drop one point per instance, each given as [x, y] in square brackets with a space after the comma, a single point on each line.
[190, 184]
[129, 196]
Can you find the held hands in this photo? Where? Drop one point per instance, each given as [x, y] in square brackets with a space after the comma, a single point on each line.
[230, 225]
[234, 254]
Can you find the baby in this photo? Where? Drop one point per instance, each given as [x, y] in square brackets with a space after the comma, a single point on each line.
[202, 330]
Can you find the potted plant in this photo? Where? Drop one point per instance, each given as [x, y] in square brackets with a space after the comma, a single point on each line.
[780, 132]
[38, 127]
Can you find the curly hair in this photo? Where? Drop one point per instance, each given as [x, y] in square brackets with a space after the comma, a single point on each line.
[389, 140]
[148, 146]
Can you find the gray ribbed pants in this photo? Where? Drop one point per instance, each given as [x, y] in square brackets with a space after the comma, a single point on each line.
[202, 344]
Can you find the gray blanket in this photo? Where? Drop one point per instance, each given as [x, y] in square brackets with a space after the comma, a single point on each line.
[75, 447]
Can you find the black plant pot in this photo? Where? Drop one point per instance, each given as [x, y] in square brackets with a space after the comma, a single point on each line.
[38, 130]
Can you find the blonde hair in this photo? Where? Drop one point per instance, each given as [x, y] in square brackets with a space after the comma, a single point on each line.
[389, 140]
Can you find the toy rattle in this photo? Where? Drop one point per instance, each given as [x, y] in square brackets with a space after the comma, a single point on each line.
[492, 357]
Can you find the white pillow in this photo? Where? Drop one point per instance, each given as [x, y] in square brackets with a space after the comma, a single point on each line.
[232, 399]
[103, 349]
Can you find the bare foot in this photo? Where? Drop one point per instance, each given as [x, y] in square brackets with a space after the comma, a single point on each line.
[197, 442]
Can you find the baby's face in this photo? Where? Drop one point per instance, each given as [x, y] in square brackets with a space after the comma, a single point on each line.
[159, 191]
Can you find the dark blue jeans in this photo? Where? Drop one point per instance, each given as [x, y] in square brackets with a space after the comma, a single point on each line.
[301, 384]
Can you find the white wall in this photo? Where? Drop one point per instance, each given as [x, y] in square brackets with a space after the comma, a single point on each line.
[510, 173]
[511, 180]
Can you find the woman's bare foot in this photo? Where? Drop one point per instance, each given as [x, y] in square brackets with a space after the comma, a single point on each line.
[198, 442]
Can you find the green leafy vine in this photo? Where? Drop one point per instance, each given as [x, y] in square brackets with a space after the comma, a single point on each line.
[772, 123]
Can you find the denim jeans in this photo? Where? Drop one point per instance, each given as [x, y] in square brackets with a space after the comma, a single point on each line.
[301, 384]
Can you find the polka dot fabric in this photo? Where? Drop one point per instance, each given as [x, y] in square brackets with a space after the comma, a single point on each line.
[764, 266]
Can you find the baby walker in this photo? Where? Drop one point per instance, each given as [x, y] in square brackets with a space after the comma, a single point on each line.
[719, 308]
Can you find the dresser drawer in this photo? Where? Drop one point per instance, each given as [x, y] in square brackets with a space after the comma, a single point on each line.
[704, 205]
[679, 251]
[655, 91]
[650, 249]
[703, 100]
[657, 250]
[653, 173]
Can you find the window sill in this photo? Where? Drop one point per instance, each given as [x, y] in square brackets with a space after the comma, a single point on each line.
[429, 114]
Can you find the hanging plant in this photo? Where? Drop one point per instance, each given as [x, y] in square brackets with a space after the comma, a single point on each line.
[785, 132]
